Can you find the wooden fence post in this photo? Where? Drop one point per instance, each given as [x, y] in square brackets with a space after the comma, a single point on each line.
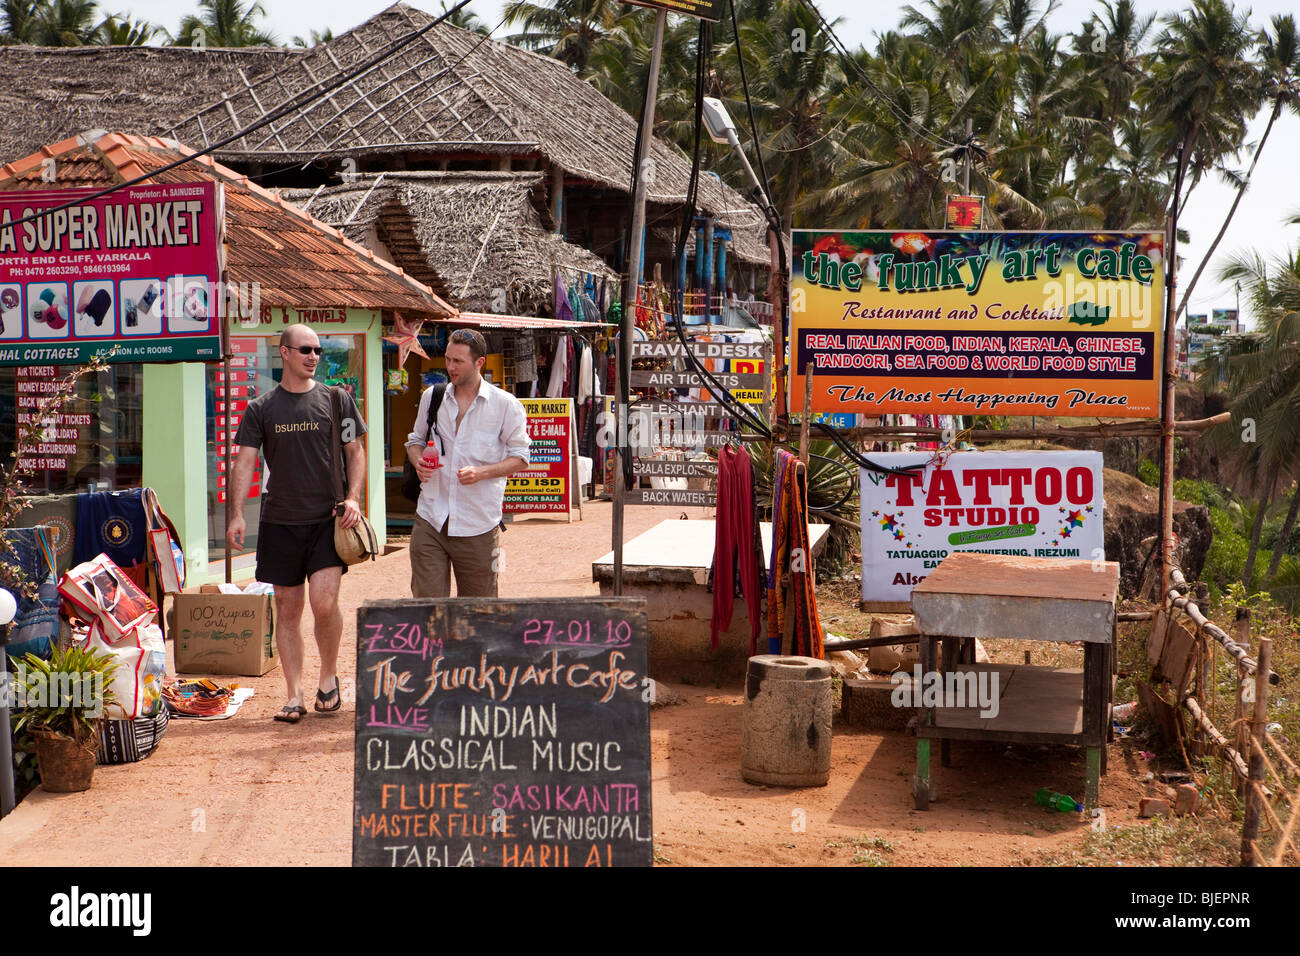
[1241, 734]
[807, 415]
[1250, 825]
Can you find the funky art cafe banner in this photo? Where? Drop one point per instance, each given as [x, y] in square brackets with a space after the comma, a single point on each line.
[1036, 504]
[1002, 323]
[135, 271]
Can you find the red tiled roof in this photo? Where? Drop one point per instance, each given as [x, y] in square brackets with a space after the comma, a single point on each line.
[296, 261]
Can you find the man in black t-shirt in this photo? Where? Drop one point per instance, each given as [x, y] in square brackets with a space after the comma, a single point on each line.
[293, 425]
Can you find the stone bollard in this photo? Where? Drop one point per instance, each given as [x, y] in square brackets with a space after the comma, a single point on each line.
[786, 739]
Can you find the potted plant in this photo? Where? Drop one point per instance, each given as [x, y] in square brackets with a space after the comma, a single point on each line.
[64, 700]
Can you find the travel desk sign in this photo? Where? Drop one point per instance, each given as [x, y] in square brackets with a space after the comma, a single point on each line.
[135, 271]
[543, 487]
[978, 323]
[1036, 504]
[494, 732]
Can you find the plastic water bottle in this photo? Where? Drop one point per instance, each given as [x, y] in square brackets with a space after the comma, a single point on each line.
[1057, 801]
[430, 456]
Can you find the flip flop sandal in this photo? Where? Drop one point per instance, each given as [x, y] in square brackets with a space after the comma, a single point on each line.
[291, 713]
[333, 695]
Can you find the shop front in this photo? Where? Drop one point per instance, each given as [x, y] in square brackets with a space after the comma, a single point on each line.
[162, 413]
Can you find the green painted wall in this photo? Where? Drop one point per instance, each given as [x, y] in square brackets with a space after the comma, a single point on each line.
[175, 453]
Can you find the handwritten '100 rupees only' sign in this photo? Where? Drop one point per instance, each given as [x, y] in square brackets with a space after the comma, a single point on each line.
[502, 733]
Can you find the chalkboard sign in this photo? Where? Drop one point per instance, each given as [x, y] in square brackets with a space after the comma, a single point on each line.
[502, 733]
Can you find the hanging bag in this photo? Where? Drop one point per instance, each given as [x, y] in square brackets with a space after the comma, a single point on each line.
[410, 478]
[358, 543]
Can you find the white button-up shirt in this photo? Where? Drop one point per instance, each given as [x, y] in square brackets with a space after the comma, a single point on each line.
[493, 429]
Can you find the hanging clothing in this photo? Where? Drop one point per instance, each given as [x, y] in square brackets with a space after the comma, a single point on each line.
[563, 311]
[36, 623]
[559, 369]
[114, 523]
[790, 568]
[586, 387]
[525, 358]
[737, 554]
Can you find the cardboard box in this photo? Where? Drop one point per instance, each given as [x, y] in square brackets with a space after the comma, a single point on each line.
[224, 634]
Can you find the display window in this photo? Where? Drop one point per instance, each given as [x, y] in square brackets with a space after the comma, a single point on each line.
[93, 443]
[254, 370]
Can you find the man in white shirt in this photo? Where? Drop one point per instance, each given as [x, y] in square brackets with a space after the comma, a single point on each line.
[482, 436]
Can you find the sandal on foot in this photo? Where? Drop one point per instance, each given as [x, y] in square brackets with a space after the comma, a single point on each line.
[291, 713]
[322, 699]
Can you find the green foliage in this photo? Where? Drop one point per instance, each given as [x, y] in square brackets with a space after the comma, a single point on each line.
[831, 476]
[1197, 492]
[1149, 472]
[65, 695]
[1226, 560]
[224, 23]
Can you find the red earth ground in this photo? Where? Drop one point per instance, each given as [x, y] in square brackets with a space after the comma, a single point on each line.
[252, 791]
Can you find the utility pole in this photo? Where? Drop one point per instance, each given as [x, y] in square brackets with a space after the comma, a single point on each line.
[636, 256]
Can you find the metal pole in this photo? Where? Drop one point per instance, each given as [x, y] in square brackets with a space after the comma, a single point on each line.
[224, 418]
[636, 256]
[8, 794]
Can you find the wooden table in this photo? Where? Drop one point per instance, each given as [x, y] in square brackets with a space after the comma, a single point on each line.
[987, 596]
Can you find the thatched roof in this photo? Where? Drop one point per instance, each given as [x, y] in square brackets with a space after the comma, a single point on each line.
[49, 93]
[451, 91]
[478, 239]
[295, 260]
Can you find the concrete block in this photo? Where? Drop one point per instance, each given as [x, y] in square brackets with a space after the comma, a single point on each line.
[1152, 807]
[867, 704]
[1188, 799]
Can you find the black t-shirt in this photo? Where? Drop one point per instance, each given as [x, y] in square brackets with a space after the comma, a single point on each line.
[293, 429]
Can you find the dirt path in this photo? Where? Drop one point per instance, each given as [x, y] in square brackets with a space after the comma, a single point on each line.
[251, 791]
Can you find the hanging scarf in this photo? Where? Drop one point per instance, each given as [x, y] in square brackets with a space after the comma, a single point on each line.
[737, 567]
[790, 568]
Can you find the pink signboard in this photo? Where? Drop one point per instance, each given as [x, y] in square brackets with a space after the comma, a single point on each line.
[135, 271]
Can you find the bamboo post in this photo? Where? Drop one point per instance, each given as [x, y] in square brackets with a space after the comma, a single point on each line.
[1167, 407]
[1200, 745]
[1250, 826]
[807, 413]
[1240, 733]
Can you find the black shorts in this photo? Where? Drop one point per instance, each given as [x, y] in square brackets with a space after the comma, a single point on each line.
[288, 554]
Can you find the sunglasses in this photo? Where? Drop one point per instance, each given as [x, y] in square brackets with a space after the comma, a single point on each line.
[305, 349]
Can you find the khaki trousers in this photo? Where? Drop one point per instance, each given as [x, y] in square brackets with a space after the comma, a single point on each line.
[434, 554]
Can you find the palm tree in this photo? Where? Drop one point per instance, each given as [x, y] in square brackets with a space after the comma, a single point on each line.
[66, 23]
[224, 23]
[315, 38]
[1202, 88]
[791, 85]
[1280, 56]
[1119, 63]
[118, 30]
[1263, 372]
[19, 20]
[568, 30]
[463, 18]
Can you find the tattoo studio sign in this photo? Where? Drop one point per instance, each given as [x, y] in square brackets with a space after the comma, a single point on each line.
[1043, 504]
[136, 270]
[1003, 323]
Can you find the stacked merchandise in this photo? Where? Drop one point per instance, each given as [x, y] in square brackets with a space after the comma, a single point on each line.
[204, 699]
[118, 621]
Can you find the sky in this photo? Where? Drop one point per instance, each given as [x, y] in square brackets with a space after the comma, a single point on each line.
[1257, 225]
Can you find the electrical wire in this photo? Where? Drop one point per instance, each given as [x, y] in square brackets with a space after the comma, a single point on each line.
[309, 95]
[899, 113]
